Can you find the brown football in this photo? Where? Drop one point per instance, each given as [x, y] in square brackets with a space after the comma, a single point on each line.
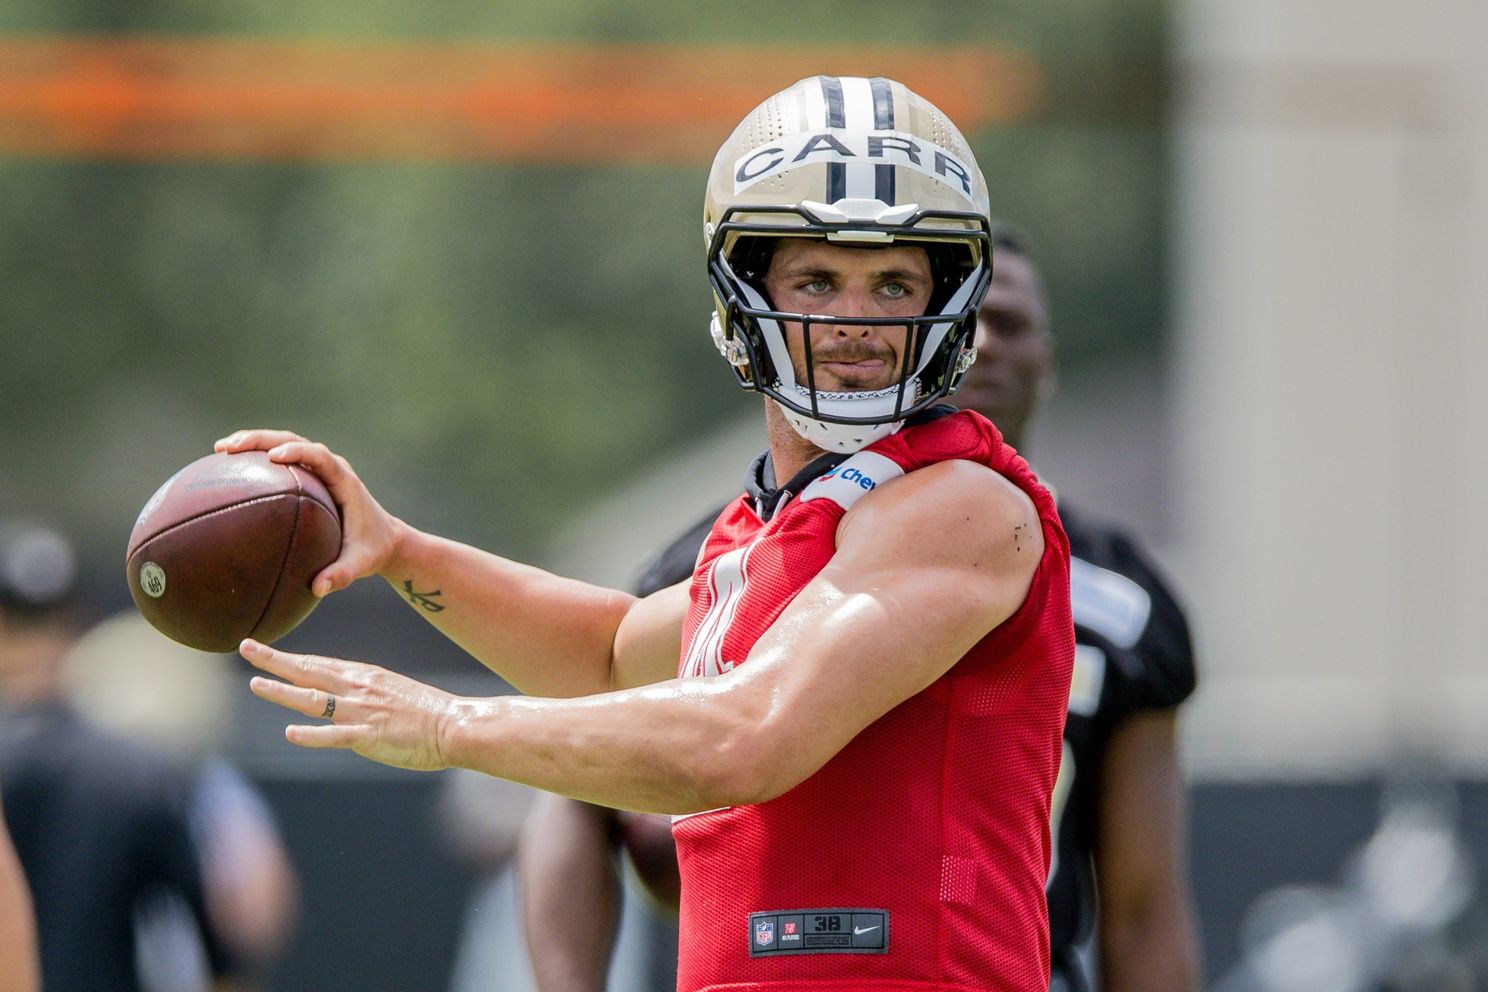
[227, 547]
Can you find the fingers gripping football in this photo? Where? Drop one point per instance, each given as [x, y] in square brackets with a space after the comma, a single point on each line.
[379, 714]
[369, 533]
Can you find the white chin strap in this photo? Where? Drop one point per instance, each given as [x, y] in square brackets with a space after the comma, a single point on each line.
[846, 438]
[841, 437]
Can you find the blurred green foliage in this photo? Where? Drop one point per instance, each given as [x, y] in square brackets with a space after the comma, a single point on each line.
[493, 346]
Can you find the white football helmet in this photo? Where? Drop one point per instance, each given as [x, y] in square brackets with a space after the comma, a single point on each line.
[858, 162]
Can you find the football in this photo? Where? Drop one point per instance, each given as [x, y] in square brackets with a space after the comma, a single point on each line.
[227, 548]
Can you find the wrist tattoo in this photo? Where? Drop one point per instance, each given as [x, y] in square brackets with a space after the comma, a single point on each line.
[423, 600]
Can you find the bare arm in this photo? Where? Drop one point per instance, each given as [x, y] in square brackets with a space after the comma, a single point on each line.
[544, 634]
[570, 893]
[1147, 940]
[18, 959]
[954, 546]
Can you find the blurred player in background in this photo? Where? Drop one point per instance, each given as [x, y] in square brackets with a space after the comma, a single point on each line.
[1118, 816]
[109, 832]
[100, 825]
[114, 675]
[251, 884]
[862, 736]
[1119, 811]
[17, 923]
[480, 818]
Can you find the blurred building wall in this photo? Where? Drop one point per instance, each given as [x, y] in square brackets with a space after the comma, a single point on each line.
[1332, 237]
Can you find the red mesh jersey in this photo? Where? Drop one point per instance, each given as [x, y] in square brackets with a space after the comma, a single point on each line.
[936, 815]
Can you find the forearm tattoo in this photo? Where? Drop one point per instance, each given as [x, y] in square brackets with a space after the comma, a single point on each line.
[423, 600]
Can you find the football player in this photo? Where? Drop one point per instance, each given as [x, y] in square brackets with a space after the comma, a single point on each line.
[1118, 816]
[853, 710]
[1120, 869]
[101, 826]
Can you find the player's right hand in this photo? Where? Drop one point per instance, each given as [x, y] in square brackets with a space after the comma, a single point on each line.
[369, 534]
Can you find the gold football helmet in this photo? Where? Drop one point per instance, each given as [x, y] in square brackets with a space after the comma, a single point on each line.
[858, 162]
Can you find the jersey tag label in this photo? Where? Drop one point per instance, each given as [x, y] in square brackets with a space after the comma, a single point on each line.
[818, 931]
[853, 479]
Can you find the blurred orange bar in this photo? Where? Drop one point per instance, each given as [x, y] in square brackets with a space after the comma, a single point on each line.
[147, 98]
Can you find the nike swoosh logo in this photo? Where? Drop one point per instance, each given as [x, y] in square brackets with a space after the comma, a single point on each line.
[859, 931]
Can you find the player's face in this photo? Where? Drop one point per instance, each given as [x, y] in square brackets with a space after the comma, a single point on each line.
[813, 277]
[1014, 348]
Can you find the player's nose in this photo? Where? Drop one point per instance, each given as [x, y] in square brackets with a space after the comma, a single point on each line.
[853, 303]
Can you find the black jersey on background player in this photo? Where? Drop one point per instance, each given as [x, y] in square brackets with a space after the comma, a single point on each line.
[1133, 652]
[102, 828]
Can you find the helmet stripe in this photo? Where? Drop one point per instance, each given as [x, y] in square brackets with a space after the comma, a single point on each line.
[857, 97]
[883, 120]
[836, 105]
[836, 117]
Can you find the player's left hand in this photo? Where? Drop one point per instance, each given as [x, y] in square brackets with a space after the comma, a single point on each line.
[379, 714]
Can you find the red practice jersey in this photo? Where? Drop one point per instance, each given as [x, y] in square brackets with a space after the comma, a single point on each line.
[916, 857]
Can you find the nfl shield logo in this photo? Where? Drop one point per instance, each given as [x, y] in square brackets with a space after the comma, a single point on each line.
[764, 932]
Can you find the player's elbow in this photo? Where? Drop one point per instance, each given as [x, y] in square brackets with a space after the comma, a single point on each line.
[755, 763]
[726, 777]
[729, 785]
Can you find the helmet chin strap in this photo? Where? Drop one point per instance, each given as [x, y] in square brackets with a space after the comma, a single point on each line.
[842, 438]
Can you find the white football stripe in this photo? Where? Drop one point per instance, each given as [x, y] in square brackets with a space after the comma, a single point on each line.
[816, 108]
[857, 103]
[726, 581]
[1108, 603]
